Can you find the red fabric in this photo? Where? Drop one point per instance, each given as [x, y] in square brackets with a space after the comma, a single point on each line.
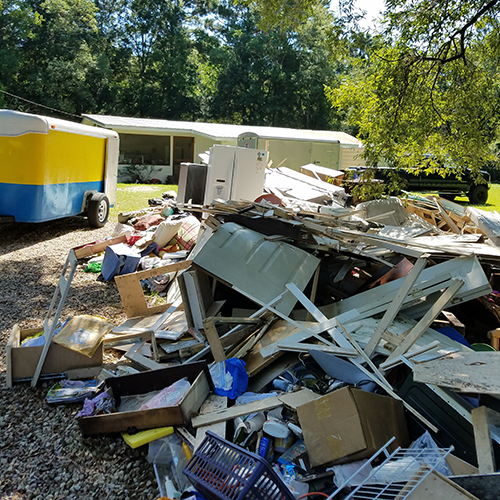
[146, 221]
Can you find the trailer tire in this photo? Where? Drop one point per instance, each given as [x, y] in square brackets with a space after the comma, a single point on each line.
[478, 194]
[98, 211]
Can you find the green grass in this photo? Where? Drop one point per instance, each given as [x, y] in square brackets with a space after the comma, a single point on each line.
[130, 197]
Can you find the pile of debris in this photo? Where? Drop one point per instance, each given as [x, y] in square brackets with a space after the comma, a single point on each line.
[282, 348]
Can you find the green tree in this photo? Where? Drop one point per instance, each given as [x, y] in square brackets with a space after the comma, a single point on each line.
[161, 75]
[17, 24]
[53, 41]
[269, 76]
[430, 87]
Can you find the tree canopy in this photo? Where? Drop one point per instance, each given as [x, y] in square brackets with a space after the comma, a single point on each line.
[430, 87]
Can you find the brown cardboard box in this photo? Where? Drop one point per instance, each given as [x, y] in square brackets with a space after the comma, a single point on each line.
[351, 424]
[141, 383]
[22, 361]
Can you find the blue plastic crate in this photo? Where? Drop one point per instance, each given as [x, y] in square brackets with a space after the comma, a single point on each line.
[221, 470]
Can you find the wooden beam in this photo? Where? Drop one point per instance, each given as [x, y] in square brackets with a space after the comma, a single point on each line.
[214, 340]
[482, 437]
[415, 352]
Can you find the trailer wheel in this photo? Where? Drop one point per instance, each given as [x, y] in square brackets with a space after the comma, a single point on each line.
[98, 211]
[478, 194]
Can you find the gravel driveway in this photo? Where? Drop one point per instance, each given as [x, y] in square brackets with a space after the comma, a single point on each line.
[42, 452]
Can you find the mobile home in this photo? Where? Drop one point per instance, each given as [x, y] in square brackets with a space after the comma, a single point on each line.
[160, 146]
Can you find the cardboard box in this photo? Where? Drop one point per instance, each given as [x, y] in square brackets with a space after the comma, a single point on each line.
[351, 424]
[198, 375]
[22, 361]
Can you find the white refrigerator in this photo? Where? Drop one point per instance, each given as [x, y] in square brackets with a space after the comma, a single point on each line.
[235, 173]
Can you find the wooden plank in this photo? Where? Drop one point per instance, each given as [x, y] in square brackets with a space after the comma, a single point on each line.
[235, 336]
[293, 400]
[94, 247]
[214, 340]
[439, 487]
[343, 270]
[237, 321]
[482, 438]
[396, 304]
[428, 318]
[131, 292]
[466, 371]
[256, 314]
[192, 298]
[241, 349]
[415, 352]
[145, 327]
[454, 321]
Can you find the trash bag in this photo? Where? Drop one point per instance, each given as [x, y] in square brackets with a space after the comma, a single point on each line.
[230, 378]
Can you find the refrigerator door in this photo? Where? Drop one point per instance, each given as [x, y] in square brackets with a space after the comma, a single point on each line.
[235, 173]
[249, 174]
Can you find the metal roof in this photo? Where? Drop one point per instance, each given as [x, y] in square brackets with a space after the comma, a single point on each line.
[218, 131]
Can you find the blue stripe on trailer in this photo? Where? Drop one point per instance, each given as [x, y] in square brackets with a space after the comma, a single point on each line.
[31, 203]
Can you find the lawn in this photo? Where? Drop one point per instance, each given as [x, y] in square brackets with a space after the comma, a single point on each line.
[130, 197]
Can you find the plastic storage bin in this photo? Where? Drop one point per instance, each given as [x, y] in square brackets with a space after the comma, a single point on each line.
[221, 470]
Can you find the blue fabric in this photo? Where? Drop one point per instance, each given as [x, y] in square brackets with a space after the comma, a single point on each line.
[451, 333]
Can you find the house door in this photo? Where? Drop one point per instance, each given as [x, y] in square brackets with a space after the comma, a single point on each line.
[183, 152]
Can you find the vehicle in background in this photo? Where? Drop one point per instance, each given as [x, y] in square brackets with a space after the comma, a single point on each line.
[449, 185]
[52, 168]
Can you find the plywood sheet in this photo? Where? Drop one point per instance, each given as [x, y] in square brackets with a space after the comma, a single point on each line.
[462, 371]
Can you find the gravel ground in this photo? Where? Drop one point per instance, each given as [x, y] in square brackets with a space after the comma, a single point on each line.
[42, 452]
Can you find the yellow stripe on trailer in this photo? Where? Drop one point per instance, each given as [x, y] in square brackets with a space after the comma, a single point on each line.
[39, 159]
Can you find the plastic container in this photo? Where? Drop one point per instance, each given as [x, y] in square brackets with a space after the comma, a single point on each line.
[221, 470]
